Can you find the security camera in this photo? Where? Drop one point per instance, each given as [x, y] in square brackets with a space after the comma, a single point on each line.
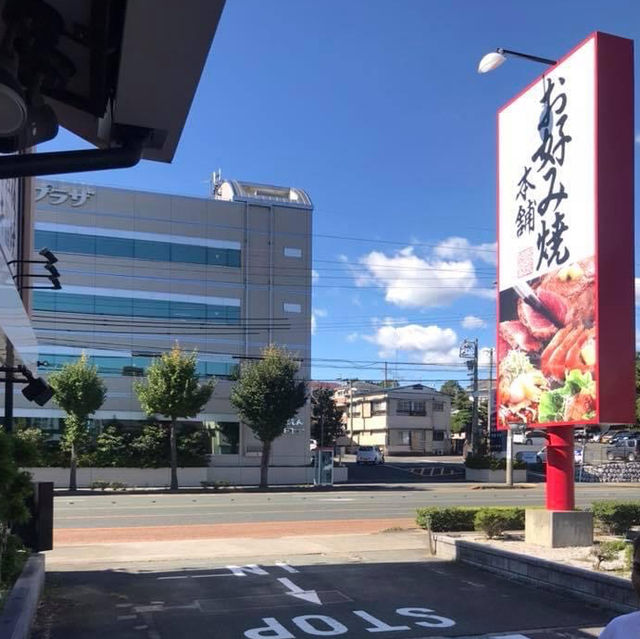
[37, 390]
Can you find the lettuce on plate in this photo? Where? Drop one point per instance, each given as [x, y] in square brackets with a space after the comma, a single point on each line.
[552, 403]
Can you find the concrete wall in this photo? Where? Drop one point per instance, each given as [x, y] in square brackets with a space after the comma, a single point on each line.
[493, 476]
[604, 590]
[187, 477]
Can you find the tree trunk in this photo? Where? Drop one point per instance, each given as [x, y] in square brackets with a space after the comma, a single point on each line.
[73, 486]
[264, 464]
[174, 455]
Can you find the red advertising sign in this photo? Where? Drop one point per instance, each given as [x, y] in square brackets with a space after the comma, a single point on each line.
[566, 320]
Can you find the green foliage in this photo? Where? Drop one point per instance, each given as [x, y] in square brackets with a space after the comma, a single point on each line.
[266, 396]
[113, 448]
[495, 520]
[15, 488]
[80, 392]
[447, 518]
[616, 517]
[490, 462]
[326, 418]
[29, 447]
[608, 551]
[463, 518]
[12, 559]
[100, 484]
[461, 406]
[172, 388]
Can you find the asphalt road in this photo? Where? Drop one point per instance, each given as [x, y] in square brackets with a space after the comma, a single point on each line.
[382, 501]
[409, 598]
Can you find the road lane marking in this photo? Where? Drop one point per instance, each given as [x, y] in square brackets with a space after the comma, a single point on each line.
[285, 566]
[310, 596]
[126, 617]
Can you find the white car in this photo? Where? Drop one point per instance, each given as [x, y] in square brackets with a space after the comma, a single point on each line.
[530, 438]
[369, 455]
[578, 455]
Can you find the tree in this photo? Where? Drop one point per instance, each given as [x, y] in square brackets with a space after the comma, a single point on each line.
[173, 390]
[79, 391]
[461, 406]
[267, 396]
[15, 488]
[326, 418]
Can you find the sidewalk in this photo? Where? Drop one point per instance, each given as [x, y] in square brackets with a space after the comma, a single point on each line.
[328, 539]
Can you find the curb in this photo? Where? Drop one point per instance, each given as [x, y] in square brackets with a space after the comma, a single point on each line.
[22, 603]
[609, 592]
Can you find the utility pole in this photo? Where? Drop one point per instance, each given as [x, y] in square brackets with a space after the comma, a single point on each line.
[469, 351]
[474, 415]
[490, 401]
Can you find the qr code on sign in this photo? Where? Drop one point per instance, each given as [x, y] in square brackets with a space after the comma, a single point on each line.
[525, 262]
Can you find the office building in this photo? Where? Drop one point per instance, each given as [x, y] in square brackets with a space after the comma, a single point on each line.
[140, 271]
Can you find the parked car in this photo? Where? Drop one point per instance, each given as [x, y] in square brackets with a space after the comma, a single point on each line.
[527, 456]
[369, 455]
[578, 455]
[623, 434]
[625, 448]
[530, 437]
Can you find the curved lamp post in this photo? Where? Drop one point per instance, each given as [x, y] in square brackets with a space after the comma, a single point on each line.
[498, 57]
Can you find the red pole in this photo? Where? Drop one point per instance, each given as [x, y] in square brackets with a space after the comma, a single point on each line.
[560, 468]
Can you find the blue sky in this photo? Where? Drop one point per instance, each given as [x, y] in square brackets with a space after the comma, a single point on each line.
[375, 108]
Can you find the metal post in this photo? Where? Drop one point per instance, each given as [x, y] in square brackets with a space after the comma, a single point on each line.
[8, 389]
[489, 401]
[560, 469]
[509, 457]
[474, 414]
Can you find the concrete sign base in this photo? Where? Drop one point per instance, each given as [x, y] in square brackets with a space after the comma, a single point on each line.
[558, 528]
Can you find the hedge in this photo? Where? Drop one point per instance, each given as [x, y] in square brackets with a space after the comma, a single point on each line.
[463, 518]
[495, 520]
[616, 516]
[492, 463]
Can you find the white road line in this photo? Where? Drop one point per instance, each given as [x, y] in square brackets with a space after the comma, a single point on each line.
[286, 566]
[178, 577]
[126, 617]
[473, 583]
[124, 605]
[221, 574]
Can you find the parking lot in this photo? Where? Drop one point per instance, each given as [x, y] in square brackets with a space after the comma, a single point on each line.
[408, 597]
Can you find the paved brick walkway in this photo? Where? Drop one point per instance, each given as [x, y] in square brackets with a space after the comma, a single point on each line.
[87, 536]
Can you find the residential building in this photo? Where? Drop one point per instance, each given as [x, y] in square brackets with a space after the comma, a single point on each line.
[141, 271]
[402, 420]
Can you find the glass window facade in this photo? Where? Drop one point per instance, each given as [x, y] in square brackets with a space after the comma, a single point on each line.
[59, 241]
[112, 366]
[61, 302]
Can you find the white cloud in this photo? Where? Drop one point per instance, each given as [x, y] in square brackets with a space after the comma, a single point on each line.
[352, 337]
[637, 291]
[471, 321]
[637, 138]
[315, 313]
[431, 344]
[484, 357]
[315, 276]
[459, 248]
[412, 281]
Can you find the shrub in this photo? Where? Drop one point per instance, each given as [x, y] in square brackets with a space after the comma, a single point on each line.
[607, 551]
[215, 484]
[118, 485]
[490, 462]
[616, 516]
[495, 520]
[441, 519]
[464, 518]
[100, 485]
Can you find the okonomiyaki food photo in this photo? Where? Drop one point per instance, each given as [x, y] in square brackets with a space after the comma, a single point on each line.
[547, 348]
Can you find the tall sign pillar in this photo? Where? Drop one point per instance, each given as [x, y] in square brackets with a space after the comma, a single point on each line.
[566, 323]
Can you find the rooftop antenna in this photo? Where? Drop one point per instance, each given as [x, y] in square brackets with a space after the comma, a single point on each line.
[215, 183]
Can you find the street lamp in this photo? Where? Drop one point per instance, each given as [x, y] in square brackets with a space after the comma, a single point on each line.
[498, 57]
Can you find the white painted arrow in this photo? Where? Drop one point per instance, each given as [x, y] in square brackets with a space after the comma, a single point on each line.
[295, 591]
